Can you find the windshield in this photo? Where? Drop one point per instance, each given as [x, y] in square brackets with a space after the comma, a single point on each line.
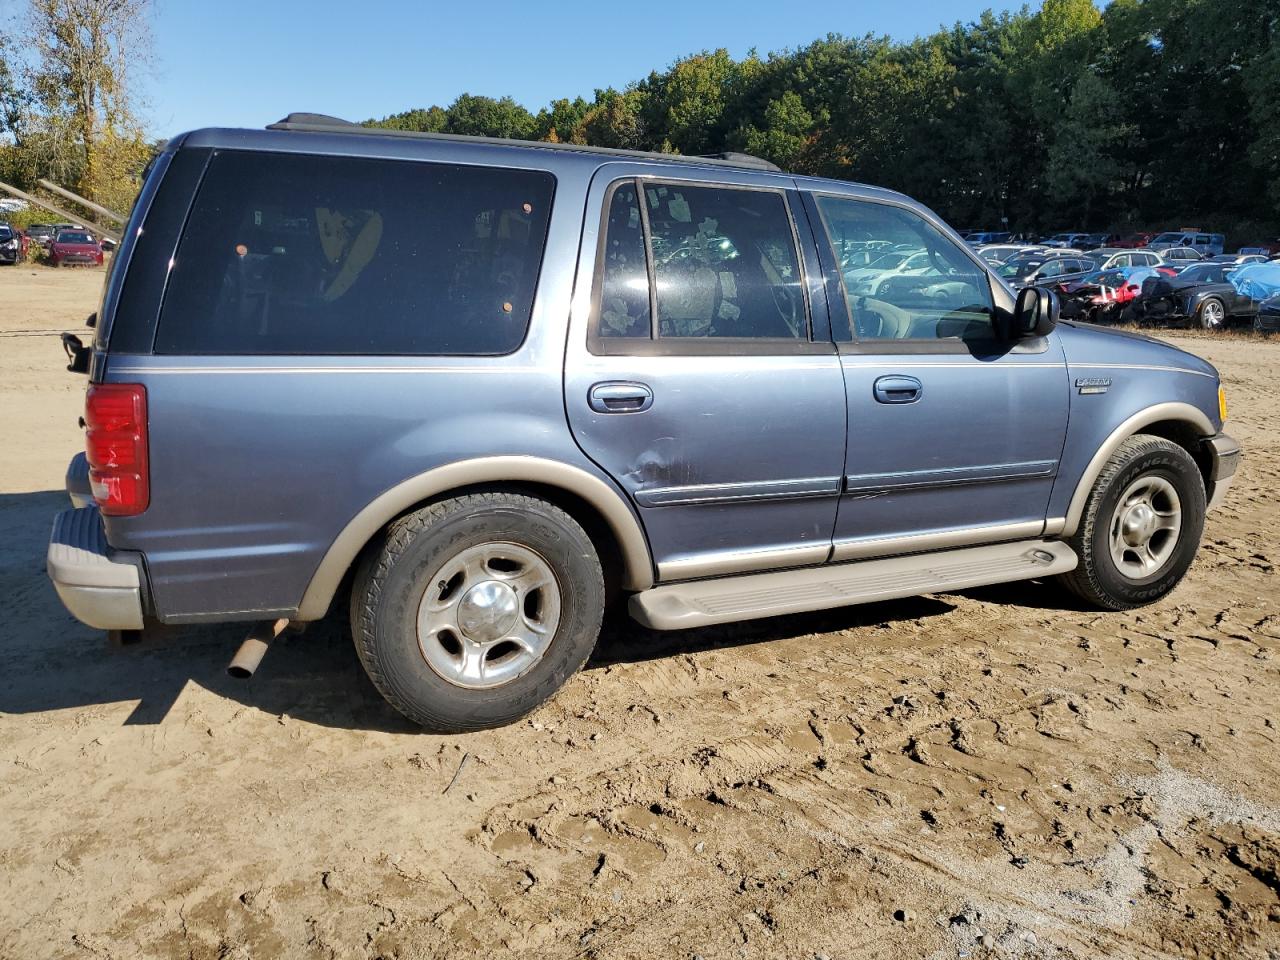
[1168, 238]
[5, 232]
[1106, 278]
[70, 236]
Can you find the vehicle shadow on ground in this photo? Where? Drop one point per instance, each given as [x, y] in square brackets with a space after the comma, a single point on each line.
[48, 661]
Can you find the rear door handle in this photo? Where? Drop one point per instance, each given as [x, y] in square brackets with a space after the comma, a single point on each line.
[620, 396]
[898, 389]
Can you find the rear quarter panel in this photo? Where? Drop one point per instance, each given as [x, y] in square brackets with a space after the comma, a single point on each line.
[258, 463]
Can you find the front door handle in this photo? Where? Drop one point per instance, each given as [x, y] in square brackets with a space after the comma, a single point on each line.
[898, 389]
[620, 396]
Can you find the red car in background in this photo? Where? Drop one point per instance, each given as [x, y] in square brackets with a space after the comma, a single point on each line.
[75, 246]
[1135, 240]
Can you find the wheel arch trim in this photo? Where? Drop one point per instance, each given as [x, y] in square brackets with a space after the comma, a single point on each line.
[610, 503]
[1158, 413]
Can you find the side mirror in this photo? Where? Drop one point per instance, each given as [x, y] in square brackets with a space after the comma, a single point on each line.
[1035, 313]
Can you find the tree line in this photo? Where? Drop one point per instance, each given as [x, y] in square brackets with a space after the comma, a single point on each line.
[68, 101]
[1159, 113]
[1147, 113]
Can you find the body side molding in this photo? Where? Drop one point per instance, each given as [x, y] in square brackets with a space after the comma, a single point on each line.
[611, 504]
[1143, 418]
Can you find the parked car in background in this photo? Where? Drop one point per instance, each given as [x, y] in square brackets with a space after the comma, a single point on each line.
[1239, 259]
[868, 280]
[1267, 319]
[42, 233]
[1268, 249]
[1062, 240]
[1039, 271]
[1104, 295]
[1134, 240]
[1001, 252]
[1109, 257]
[1205, 244]
[1180, 257]
[1041, 253]
[72, 247]
[980, 237]
[12, 244]
[706, 439]
[1092, 241]
[1200, 295]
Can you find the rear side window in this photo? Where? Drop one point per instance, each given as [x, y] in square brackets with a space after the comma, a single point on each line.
[723, 261]
[289, 254]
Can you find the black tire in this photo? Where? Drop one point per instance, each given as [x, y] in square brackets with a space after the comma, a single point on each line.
[1097, 579]
[391, 580]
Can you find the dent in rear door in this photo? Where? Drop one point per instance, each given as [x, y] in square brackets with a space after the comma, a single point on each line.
[731, 446]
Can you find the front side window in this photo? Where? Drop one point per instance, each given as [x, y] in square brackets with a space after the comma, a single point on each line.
[295, 254]
[937, 292]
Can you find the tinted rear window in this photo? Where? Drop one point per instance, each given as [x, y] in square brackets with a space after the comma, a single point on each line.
[288, 254]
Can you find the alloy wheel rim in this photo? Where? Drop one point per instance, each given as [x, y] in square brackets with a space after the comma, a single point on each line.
[488, 615]
[1213, 313]
[1145, 526]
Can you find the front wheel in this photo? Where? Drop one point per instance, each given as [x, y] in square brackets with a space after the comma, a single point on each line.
[1212, 315]
[477, 609]
[1141, 525]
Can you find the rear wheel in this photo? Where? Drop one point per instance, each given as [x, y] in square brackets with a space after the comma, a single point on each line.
[1141, 525]
[475, 610]
[1212, 315]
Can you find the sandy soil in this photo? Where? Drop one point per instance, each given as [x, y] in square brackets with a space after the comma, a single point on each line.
[995, 773]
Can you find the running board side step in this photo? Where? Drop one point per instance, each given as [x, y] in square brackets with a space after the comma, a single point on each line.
[699, 603]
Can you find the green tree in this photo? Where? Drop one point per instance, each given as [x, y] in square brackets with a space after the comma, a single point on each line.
[558, 121]
[429, 120]
[786, 132]
[478, 116]
[613, 121]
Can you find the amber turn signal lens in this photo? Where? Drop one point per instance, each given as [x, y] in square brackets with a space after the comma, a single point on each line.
[1222, 404]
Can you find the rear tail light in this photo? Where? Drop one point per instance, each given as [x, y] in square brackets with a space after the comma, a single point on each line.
[115, 417]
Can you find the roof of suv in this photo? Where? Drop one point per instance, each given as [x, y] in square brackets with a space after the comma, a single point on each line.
[320, 123]
[333, 135]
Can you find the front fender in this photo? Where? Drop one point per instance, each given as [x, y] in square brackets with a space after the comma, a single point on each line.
[1160, 413]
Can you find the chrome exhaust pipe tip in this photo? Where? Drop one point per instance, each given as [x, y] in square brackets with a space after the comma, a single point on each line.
[254, 648]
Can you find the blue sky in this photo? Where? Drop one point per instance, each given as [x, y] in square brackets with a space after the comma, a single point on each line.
[249, 62]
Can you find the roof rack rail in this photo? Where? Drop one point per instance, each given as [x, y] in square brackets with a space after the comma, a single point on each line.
[741, 159]
[322, 123]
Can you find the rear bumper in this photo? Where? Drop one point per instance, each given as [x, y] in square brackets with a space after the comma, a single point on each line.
[100, 587]
[1225, 455]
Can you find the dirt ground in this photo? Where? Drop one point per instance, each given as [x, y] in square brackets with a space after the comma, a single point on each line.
[994, 773]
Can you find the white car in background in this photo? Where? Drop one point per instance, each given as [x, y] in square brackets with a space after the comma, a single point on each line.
[866, 281]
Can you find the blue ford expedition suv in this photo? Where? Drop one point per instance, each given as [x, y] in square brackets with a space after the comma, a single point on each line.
[482, 388]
